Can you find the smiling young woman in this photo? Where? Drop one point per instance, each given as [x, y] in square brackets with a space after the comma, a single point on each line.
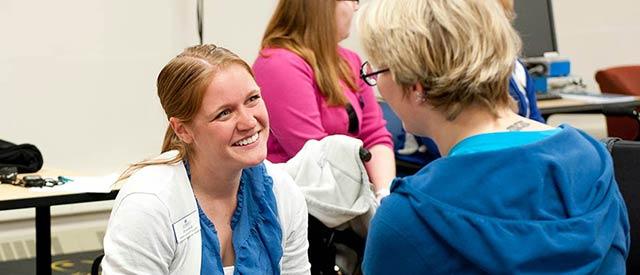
[210, 203]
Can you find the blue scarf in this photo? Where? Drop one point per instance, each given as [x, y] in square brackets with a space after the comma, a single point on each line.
[257, 236]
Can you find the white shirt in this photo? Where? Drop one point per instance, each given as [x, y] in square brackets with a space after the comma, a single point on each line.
[147, 234]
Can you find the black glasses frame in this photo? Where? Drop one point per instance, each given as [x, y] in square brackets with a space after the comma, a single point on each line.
[370, 78]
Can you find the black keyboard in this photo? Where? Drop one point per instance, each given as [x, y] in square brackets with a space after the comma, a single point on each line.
[547, 96]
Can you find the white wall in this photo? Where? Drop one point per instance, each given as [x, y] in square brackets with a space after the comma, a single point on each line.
[239, 25]
[597, 34]
[77, 77]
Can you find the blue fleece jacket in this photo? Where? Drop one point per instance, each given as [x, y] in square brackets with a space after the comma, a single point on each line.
[550, 206]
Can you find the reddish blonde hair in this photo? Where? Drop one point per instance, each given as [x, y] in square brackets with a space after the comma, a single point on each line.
[181, 87]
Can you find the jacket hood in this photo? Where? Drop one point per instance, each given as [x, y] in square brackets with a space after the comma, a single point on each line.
[523, 208]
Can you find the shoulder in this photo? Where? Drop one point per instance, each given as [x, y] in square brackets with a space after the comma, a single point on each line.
[396, 208]
[278, 57]
[156, 179]
[284, 188]
[397, 234]
[519, 74]
[165, 184]
[349, 55]
[279, 53]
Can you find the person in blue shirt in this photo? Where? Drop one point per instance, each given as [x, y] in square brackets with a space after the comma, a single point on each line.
[510, 195]
[522, 90]
[521, 86]
[210, 203]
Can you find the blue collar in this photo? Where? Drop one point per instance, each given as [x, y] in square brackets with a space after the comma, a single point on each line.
[499, 140]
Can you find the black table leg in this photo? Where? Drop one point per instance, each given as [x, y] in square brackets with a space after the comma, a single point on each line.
[43, 240]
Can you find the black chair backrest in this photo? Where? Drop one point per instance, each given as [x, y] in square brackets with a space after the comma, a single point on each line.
[626, 163]
[95, 266]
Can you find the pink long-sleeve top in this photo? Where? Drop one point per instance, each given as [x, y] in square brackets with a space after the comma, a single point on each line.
[298, 112]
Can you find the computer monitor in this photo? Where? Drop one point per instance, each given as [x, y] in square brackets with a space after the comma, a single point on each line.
[534, 22]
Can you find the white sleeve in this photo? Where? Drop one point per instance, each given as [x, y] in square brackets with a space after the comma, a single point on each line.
[295, 259]
[139, 237]
[293, 214]
[520, 76]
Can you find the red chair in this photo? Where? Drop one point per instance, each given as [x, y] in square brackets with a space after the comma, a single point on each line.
[621, 80]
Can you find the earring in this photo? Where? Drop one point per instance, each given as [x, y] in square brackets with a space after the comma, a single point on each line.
[420, 97]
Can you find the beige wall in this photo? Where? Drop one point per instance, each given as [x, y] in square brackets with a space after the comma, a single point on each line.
[597, 34]
[77, 77]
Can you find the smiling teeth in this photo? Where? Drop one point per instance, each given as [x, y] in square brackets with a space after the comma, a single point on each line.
[248, 140]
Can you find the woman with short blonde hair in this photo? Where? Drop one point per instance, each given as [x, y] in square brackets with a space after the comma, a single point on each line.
[510, 195]
[445, 57]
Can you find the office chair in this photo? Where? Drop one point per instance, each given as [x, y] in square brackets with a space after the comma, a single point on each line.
[621, 80]
[95, 266]
[331, 174]
[626, 160]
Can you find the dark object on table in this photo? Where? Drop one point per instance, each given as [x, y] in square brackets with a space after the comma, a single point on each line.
[26, 157]
[33, 181]
[8, 175]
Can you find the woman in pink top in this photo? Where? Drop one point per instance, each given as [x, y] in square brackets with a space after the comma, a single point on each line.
[312, 88]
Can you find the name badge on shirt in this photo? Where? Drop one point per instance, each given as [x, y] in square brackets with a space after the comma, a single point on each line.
[187, 226]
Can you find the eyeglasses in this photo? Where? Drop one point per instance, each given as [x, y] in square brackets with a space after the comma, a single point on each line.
[357, 1]
[367, 74]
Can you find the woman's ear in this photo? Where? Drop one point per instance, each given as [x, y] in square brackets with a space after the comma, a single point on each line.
[181, 130]
[417, 93]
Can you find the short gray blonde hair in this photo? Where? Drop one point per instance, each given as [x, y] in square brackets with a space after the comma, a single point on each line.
[462, 51]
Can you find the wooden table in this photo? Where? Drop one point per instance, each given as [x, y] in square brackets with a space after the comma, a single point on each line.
[16, 197]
